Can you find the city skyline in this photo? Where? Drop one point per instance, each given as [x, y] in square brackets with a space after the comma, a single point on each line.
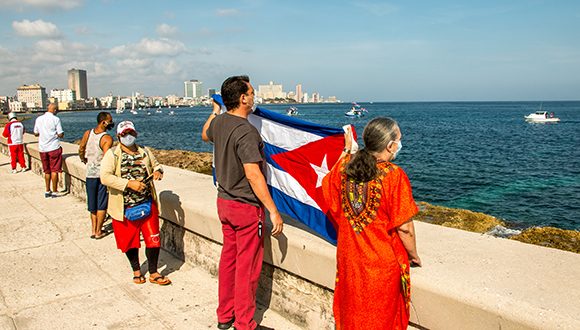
[356, 50]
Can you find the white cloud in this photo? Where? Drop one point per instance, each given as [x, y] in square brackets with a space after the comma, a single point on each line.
[166, 30]
[38, 28]
[153, 47]
[50, 47]
[43, 4]
[171, 67]
[227, 12]
[134, 63]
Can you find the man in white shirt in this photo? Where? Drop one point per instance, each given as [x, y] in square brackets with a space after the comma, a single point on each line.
[49, 130]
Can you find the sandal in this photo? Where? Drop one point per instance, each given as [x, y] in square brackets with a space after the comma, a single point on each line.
[139, 279]
[161, 280]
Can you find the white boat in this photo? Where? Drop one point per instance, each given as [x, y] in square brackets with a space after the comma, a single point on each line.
[171, 113]
[356, 111]
[542, 117]
[158, 110]
[133, 111]
[292, 111]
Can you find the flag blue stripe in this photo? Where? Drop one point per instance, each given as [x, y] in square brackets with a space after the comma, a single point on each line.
[308, 215]
[303, 125]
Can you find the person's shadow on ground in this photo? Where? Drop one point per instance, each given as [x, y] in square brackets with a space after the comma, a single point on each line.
[172, 232]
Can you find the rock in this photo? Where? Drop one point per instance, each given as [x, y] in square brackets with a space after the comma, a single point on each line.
[457, 218]
[568, 240]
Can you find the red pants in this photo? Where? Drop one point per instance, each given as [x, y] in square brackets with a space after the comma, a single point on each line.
[127, 232]
[17, 155]
[240, 262]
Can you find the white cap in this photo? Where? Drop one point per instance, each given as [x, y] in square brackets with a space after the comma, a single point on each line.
[12, 115]
[125, 126]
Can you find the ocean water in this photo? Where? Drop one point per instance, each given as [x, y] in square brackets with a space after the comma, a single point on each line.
[480, 156]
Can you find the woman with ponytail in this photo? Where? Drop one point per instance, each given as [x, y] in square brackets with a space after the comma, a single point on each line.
[371, 204]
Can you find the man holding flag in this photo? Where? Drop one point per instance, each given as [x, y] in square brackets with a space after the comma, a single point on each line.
[243, 194]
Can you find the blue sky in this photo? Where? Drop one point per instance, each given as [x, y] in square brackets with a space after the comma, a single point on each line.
[355, 50]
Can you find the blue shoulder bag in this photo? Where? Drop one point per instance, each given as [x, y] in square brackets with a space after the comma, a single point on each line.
[139, 211]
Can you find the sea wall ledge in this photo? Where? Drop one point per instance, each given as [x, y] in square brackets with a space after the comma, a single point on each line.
[468, 280]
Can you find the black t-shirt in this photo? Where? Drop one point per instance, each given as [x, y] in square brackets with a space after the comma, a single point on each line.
[236, 142]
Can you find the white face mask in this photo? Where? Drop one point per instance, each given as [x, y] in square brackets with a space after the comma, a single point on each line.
[399, 147]
[127, 140]
[255, 105]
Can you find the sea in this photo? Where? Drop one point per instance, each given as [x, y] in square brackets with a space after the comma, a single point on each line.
[480, 156]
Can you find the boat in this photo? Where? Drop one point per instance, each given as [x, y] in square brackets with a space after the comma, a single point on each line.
[158, 110]
[292, 111]
[171, 113]
[356, 111]
[133, 111]
[542, 116]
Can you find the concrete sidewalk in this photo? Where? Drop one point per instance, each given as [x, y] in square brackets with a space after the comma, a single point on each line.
[56, 277]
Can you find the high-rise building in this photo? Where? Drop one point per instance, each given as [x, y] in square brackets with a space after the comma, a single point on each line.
[77, 81]
[34, 96]
[211, 92]
[192, 89]
[299, 93]
[271, 91]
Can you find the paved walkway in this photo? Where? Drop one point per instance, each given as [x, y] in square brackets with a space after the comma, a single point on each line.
[56, 277]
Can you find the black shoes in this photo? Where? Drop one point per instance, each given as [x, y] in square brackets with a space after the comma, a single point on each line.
[226, 325]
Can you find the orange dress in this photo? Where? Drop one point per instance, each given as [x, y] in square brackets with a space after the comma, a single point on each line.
[372, 289]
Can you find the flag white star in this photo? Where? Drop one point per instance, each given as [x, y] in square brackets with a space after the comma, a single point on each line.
[321, 171]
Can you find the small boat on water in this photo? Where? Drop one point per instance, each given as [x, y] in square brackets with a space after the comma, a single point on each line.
[158, 110]
[292, 111]
[171, 113]
[542, 117]
[356, 111]
[133, 111]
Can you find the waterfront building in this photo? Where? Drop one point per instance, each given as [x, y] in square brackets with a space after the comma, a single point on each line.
[16, 106]
[332, 99]
[211, 92]
[63, 95]
[192, 89]
[304, 98]
[271, 91]
[34, 96]
[298, 97]
[315, 97]
[77, 81]
[172, 100]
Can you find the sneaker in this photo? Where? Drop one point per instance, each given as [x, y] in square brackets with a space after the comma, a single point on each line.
[14, 171]
[48, 194]
[226, 325]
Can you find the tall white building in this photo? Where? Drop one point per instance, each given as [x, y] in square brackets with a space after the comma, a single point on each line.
[271, 91]
[192, 89]
[34, 96]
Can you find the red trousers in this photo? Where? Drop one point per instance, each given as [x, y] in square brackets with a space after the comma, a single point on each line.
[17, 155]
[240, 262]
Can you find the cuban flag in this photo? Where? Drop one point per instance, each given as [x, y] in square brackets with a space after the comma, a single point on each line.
[299, 154]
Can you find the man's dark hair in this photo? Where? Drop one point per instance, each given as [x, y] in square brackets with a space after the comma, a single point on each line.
[232, 89]
[102, 116]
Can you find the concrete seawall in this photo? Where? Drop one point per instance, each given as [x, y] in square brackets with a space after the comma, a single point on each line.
[468, 281]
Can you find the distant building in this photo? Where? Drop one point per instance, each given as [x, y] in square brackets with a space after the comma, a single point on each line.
[315, 97]
[63, 95]
[304, 98]
[271, 91]
[298, 96]
[192, 89]
[77, 81]
[211, 92]
[34, 96]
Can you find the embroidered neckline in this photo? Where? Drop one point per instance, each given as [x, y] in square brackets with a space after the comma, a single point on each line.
[361, 200]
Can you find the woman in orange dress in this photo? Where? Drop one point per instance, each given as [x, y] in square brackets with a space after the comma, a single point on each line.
[371, 204]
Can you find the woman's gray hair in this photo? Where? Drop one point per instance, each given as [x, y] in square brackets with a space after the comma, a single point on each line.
[377, 135]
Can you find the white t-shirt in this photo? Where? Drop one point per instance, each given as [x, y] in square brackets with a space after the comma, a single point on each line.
[48, 127]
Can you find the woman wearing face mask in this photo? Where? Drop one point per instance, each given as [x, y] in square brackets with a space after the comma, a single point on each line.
[127, 171]
[371, 205]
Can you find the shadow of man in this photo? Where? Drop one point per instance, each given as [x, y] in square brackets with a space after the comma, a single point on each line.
[266, 283]
[172, 232]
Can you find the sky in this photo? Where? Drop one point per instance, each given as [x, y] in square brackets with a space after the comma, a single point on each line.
[519, 50]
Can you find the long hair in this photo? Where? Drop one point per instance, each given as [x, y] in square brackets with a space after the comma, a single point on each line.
[377, 135]
[232, 89]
